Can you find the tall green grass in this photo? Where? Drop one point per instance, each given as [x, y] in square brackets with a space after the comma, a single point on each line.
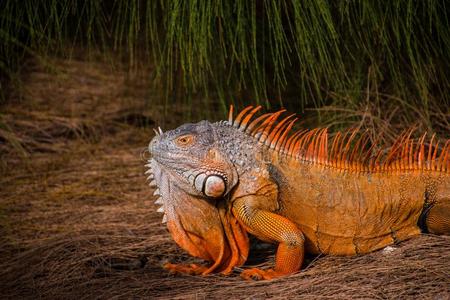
[299, 54]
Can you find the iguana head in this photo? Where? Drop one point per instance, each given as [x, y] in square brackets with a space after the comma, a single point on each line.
[193, 179]
[191, 155]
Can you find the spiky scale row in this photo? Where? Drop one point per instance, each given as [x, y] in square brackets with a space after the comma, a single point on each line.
[312, 145]
[153, 184]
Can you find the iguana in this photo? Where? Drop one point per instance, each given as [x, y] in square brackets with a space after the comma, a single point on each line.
[218, 182]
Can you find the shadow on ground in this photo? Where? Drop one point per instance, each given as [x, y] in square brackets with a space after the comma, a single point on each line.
[74, 201]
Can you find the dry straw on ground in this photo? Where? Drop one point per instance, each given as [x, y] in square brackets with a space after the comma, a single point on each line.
[74, 200]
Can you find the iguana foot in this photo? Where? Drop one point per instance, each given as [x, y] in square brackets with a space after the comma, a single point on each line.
[258, 274]
[191, 269]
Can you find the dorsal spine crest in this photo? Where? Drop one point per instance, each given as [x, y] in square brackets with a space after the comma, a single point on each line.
[313, 145]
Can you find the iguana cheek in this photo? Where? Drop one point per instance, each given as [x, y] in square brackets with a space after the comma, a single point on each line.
[211, 186]
[214, 186]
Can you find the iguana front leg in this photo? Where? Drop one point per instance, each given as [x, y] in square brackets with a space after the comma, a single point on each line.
[269, 226]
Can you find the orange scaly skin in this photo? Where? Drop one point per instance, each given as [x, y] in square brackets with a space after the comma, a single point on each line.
[219, 181]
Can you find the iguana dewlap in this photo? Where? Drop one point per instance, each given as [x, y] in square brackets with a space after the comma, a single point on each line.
[219, 181]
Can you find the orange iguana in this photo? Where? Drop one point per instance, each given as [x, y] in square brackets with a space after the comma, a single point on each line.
[219, 181]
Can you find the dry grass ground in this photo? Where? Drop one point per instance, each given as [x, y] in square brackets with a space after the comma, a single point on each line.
[74, 199]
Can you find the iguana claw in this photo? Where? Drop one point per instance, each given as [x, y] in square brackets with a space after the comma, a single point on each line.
[258, 274]
[191, 269]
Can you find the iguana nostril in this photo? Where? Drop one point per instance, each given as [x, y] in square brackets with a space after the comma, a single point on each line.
[214, 186]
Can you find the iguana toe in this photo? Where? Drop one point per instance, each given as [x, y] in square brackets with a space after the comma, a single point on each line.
[258, 274]
[191, 269]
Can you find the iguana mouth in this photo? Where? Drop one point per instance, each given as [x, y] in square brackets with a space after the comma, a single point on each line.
[202, 226]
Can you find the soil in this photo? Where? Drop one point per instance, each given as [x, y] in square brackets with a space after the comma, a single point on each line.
[77, 219]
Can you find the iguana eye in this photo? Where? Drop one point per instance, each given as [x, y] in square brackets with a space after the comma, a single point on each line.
[184, 140]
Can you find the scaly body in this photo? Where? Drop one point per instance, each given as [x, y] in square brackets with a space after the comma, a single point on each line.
[308, 193]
